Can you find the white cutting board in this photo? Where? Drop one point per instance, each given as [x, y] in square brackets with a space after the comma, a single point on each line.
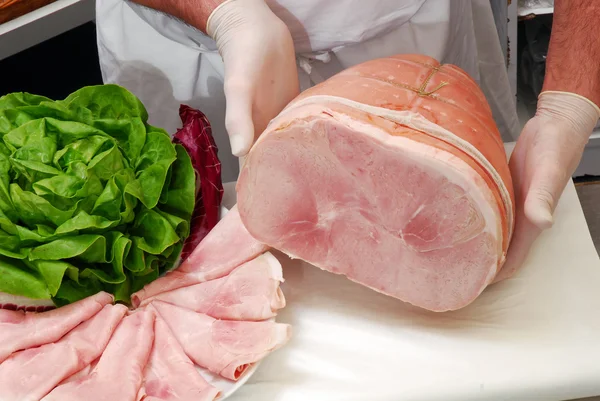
[533, 337]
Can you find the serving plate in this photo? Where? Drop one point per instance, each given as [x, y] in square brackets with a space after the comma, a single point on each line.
[227, 387]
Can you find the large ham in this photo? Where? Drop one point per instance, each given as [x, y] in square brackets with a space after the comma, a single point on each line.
[227, 348]
[21, 330]
[392, 173]
[118, 374]
[31, 374]
[250, 292]
[224, 248]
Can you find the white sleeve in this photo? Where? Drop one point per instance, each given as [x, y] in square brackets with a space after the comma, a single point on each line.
[175, 29]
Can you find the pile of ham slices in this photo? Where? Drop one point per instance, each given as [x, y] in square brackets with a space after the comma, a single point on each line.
[216, 311]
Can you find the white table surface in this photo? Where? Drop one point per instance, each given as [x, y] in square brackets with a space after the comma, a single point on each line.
[533, 337]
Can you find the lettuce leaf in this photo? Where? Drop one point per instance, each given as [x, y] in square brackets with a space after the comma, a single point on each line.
[92, 197]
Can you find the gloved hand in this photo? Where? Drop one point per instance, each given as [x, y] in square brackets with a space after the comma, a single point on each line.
[260, 67]
[543, 161]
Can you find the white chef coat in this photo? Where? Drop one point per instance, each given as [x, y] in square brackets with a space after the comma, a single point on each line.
[166, 62]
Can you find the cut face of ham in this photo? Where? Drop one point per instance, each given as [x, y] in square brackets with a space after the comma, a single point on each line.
[21, 330]
[224, 248]
[391, 173]
[227, 348]
[170, 375]
[31, 374]
[119, 372]
[250, 292]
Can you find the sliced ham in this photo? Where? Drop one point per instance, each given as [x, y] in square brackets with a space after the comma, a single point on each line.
[119, 372]
[31, 374]
[224, 248]
[170, 375]
[392, 173]
[227, 348]
[82, 373]
[21, 330]
[250, 292]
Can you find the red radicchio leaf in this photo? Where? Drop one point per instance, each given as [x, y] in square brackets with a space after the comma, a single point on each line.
[196, 137]
[27, 308]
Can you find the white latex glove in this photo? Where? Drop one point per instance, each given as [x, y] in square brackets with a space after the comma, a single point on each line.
[543, 161]
[260, 67]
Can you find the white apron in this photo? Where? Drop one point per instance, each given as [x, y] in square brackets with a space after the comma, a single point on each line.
[166, 62]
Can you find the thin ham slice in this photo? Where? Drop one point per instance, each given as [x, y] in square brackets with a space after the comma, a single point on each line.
[224, 248]
[170, 375]
[82, 373]
[119, 372]
[31, 374]
[21, 330]
[227, 348]
[250, 292]
[392, 173]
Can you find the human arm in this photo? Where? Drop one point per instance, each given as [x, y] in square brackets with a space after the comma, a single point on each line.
[258, 54]
[551, 145]
[573, 62]
[193, 12]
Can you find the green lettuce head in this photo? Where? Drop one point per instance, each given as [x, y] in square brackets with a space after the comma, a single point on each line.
[92, 197]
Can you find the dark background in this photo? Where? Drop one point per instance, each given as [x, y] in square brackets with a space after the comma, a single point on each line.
[54, 68]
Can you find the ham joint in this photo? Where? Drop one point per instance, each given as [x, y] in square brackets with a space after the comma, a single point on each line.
[392, 173]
